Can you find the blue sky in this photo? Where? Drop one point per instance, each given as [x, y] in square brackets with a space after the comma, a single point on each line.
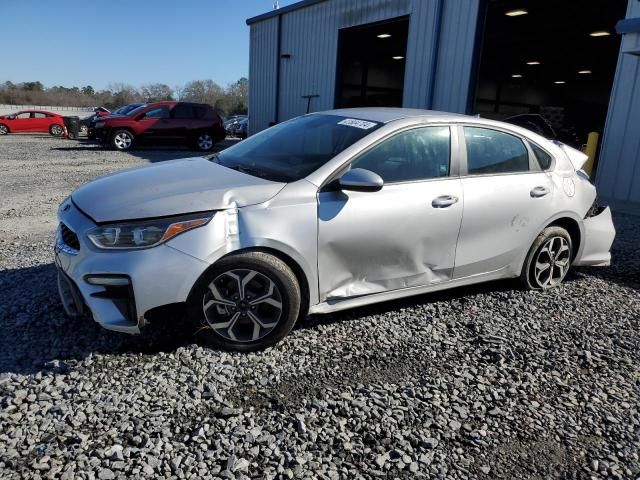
[88, 42]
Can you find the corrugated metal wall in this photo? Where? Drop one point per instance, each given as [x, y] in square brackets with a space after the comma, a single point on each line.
[262, 67]
[618, 177]
[310, 36]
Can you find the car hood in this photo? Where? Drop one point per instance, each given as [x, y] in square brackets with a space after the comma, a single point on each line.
[170, 188]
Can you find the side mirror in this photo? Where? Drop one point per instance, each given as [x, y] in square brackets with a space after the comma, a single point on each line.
[361, 180]
[11, 117]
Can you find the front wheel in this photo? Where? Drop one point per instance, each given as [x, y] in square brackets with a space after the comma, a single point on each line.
[248, 301]
[204, 142]
[56, 130]
[4, 129]
[122, 140]
[549, 259]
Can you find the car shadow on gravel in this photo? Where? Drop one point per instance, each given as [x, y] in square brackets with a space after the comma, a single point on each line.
[38, 336]
[150, 154]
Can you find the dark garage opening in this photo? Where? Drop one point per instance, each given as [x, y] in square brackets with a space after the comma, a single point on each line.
[371, 62]
[556, 59]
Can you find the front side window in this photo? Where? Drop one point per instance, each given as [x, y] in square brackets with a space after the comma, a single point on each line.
[491, 151]
[292, 150]
[158, 112]
[417, 154]
[23, 115]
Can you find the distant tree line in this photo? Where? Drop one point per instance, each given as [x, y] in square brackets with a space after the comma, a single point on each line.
[231, 100]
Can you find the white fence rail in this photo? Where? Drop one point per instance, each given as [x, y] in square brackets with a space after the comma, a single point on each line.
[79, 111]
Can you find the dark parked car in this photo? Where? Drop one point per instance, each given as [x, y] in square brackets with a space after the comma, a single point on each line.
[195, 124]
[90, 122]
[237, 126]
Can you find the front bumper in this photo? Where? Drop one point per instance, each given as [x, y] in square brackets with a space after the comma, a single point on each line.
[156, 276]
[599, 233]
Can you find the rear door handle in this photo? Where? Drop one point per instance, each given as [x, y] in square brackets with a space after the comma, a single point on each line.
[538, 192]
[444, 201]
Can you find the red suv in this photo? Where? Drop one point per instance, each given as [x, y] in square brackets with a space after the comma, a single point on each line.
[32, 121]
[196, 124]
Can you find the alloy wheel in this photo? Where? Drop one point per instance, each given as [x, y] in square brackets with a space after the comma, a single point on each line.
[552, 262]
[205, 142]
[242, 305]
[122, 140]
[3, 130]
[56, 130]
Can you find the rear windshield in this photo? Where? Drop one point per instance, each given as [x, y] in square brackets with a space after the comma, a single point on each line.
[292, 150]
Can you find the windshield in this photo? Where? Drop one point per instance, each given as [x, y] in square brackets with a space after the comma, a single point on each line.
[127, 108]
[292, 150]
[136, 110]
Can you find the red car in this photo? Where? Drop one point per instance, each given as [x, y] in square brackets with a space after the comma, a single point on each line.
[195, 124]
[32, 121]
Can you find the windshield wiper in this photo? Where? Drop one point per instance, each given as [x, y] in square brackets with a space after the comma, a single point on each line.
[259, 173]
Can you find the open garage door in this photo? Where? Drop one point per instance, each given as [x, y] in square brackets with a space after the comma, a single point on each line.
[556, 59]
[371, 63]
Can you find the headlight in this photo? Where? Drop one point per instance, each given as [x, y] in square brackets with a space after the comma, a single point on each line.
[99, 124]
[144, 234]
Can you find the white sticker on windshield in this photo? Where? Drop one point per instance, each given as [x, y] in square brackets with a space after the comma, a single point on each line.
[352, 122]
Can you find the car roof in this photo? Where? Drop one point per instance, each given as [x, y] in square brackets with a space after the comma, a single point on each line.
[389, 114]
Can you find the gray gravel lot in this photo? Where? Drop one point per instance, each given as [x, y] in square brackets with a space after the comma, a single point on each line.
[483, 382]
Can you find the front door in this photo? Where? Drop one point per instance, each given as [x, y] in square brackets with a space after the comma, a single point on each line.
[401, 236]
[156, 123]
[507, 200]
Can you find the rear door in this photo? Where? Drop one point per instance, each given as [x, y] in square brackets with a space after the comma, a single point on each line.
[41, 122]
[401, 236]
[182, 121]
[507, 199]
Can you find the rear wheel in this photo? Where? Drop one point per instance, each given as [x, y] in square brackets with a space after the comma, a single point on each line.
[122, 140]
[4, 129]
[56, 130]
[247, 302]
[204, 141]
[549, 259]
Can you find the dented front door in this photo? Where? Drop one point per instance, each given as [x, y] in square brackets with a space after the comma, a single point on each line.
[401, 236]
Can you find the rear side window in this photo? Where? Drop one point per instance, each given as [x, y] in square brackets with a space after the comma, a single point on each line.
[490, 151]
[39, 115]
[418, 154]
[544, 159]
[182, 111]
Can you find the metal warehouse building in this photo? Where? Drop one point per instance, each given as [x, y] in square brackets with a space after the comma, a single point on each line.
[573, 62]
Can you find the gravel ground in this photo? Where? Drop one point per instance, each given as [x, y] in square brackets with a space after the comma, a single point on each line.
[482, 382]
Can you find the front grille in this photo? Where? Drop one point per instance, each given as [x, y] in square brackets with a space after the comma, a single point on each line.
[69, 237]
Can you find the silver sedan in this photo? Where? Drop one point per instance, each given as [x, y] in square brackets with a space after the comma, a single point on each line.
[325, 212]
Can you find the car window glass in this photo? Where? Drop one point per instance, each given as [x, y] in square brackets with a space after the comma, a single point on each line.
[182, 112]
[292, 150]
[23, 115]
[417, 154]
[491, 151]
[39, 115]
[158, 112]
[544, 159]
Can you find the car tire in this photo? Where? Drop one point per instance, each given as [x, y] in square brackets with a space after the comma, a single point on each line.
[56, 130]
[204, 141]
[4, 129]
[122, 140]
[246, 302]
[549, 259]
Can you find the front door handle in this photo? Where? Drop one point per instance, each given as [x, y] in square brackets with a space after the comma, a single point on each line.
[444, 201]
[539, 192]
